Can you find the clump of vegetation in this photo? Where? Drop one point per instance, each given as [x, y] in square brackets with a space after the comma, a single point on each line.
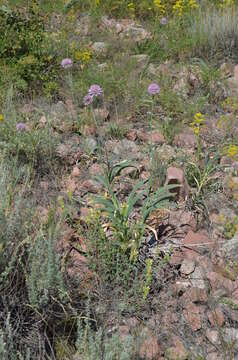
[25, 50]
[87, 242]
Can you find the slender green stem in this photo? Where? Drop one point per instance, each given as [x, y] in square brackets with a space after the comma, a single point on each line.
[151, 146]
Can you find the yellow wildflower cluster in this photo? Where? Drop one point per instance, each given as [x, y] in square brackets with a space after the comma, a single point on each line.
[131, 8]
[226, 3]
[230, 104]
[197, 123]
[83, 56]
[1, 117]
[231, 151]
[159, 6]
[182, 6]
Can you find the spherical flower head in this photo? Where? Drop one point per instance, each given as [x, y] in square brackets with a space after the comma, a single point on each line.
[163, 21]
[21, 127]
[66, 63]
[153, 89]
[95, 90]
[88, 99]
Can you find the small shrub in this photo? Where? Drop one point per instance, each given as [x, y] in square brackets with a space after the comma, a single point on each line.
[30, 142]
[24, 48]
[92, 345]
[45, 279]
[215, 32]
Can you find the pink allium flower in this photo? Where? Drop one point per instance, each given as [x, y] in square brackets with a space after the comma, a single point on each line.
[21, 127]
[153, 89]
[163, 21]
[95, 90]
[66, 63]
[88, 99]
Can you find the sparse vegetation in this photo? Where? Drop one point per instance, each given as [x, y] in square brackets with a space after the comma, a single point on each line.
[118, 179]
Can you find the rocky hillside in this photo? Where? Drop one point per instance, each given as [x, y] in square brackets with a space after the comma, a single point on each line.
[119, 180]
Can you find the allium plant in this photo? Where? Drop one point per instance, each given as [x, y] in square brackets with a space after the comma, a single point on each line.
[66, 63]
[94, 91]
[87, 100]
[163, 21]
[21, 127]
[153, 90]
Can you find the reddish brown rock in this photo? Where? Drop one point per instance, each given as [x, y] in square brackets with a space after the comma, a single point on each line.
[175, 176]
[90, 130]
[198, 239]
[197, 278]
[214, 356]
[90, 186]
[76, 172]
[216, 317]
[143, 136]
[177, 351]
[186, 140]
[213, 336]
[236, 72]
[194, 315]
[195, 295]
[96, 169]
[176, 258]
[215, 280]
[169, 318]
[132, 135]
[195, 244]
[181, 286]
[149, 349]
[184, 218]
[204, 263]
[187, 267]
[157, 138]
[235, 291]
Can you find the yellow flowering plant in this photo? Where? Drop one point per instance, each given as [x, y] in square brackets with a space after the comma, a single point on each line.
[226, 3]
[159, 6]
[131, 8]
[196, 125]
[148, 278]
[231, 151]
[182, 6]
[84, 56]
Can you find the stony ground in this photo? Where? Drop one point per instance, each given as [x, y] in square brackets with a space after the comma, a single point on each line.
[193, 305]
[191, 311]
